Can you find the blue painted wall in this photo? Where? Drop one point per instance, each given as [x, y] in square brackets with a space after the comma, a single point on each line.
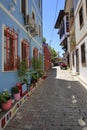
[15, 20]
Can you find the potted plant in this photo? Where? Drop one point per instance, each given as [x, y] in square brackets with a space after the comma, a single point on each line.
[31, 86]
[34, 78]
[44, 76]
[40, 72]
[16, 93]
[23, 76]
[37, 65]
[5, 100]
[22, 71]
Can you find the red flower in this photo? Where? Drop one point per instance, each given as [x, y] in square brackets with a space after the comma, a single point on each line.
[18, 84]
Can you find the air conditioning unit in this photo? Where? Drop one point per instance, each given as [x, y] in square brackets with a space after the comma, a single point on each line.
[35, 31]
[29, 22]
[15, 1]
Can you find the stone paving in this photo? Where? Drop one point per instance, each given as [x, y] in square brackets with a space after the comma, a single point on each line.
[60, 103]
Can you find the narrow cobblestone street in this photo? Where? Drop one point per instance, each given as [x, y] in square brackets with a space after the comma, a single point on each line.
[60, 103]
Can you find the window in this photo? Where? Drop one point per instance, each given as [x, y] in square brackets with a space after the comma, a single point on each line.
[39, 30]
[86, 7]
[35, 53]
[73, 58]
[81, 17]
[25, 52]
[67, 24]
[40, 56]
[10, 49]
[62, 29]
[35, 58]
[39, 3]
[83, 58]
[23, 7]
[33, 15]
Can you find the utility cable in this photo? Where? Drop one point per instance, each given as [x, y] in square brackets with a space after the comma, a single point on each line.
[54, 19]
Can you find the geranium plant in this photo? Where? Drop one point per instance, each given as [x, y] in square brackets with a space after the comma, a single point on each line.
[4, 96]
[5, 100]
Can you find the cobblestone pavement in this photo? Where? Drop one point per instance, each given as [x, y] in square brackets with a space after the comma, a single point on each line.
[60, 103]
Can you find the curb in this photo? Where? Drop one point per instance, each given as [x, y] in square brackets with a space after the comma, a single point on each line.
[81, 80]
[9, 114]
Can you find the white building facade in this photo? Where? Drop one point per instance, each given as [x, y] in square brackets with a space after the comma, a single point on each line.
[74, 42]
[80, 51]
[62, 24]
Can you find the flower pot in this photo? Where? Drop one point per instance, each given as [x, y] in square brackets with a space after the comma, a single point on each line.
[6, 106]
[16, 96]
[31, 87]
[44, 77]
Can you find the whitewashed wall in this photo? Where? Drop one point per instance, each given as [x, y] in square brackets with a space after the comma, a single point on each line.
[80, 33]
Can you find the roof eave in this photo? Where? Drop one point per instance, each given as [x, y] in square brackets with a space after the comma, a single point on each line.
[60, 17]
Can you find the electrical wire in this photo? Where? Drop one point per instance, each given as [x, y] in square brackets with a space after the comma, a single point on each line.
[56, 8]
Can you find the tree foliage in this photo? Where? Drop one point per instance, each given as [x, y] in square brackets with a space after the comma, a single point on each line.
[53, 53]
[44, 40]
[37, 63]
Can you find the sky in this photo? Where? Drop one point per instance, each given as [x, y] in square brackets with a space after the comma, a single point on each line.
[51, 10]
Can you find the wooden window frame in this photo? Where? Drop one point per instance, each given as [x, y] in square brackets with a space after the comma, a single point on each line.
[81, 20]
[35, 53]
[67, 23]
[23, 7]
[86, 6]
[39, 4]
[83, 55]
[25, 52]
[10, 49]
[33, 15]
[39, 30]
[73, 59]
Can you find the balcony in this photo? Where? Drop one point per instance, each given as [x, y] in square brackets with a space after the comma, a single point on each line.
[64, 32]
[64, 45]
